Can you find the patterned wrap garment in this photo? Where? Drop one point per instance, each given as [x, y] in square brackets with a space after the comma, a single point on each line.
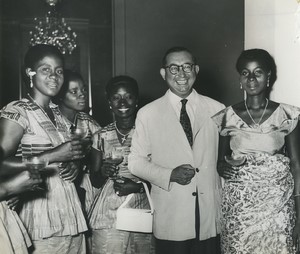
[102, 216]
[86, 122]
[103, 213]
[56, 211]
[257, 204]
[13, 236]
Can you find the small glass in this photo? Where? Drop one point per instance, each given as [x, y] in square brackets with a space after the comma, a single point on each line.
[36, 163]
[115, 157]
[235, 161]
[78, 132]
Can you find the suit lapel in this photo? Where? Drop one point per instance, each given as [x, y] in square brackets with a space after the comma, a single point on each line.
[201, 116]
[170, 118]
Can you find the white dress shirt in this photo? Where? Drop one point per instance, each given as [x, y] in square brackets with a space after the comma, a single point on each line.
[175, 101]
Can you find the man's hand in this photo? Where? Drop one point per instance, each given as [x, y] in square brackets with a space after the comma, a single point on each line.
[182, 174]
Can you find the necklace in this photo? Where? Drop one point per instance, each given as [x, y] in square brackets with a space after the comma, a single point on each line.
[124, 137]
[52, 119]
[256, 124]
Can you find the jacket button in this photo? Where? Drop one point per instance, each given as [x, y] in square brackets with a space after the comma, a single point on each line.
[197, 170]
[194, 193]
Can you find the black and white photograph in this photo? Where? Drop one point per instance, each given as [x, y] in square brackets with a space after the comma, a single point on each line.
[149, 127]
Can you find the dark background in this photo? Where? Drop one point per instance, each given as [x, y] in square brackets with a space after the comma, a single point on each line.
[212, 29]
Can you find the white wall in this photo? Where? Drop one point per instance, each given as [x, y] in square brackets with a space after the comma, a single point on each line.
[271, 25]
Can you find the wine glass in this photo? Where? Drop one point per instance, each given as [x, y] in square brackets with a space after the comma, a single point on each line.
[36, 163]
[115, 157]
[78, 132]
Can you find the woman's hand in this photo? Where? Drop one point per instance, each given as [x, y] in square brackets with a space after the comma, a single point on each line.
[13, 202]
[69, 171]
[68, 151]
[226, 170]
[124, 186]
[109, 169]
[24, 181]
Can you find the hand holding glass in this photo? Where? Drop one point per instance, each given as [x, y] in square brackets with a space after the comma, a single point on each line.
[78, 133]
[234, 161]
[36, 163]
[115, 158]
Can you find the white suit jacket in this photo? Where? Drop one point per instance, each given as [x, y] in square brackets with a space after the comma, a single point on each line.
[159, 144]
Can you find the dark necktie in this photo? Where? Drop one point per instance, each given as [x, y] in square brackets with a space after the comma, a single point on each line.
[185, 122]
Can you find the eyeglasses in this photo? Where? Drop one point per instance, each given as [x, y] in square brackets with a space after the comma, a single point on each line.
[174, 68]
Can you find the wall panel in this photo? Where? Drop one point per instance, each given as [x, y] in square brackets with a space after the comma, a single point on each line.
[212, 29]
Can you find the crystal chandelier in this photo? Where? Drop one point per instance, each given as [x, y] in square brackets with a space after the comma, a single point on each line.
[53, 30]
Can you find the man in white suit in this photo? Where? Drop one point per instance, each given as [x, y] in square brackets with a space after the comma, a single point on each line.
[179, 160]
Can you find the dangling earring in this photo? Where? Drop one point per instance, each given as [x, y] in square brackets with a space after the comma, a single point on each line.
[136, 105]
[241, 87]
[110, 107]
[268, 83]
[31, 84]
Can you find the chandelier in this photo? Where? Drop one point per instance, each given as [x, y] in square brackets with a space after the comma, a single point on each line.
[53, 30]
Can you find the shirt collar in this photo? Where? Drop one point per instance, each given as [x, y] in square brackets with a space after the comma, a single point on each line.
[175, 99]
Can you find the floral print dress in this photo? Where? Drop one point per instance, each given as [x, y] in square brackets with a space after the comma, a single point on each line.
[257, 204]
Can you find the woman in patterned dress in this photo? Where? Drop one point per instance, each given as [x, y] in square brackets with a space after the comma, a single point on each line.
[259, 160]
[72, 101]
[114, 141]
[34, 126]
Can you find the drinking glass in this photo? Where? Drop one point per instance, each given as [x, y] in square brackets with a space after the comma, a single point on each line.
[115, 157]
[78, 132]
[36, 163]
[235, 161]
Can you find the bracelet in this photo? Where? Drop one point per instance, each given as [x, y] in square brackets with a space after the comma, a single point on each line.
[297, 195]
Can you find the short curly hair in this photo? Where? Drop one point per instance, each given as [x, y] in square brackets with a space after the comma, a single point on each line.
[69, 76]
[121, 80]
[37, 53]
[260, 55]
